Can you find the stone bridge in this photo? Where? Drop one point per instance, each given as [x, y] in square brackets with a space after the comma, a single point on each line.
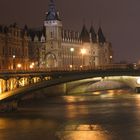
[16, 85]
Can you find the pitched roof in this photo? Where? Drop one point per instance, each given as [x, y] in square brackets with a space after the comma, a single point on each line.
[36, 32]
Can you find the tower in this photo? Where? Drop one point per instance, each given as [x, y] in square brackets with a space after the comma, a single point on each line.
[84, 36]
[53, 27]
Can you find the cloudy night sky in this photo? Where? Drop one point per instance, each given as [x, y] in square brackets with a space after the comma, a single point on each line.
[119, 19]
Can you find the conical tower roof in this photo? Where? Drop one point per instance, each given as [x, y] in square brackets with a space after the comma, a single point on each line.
[93, 34]
[84, 36]
[101, 36]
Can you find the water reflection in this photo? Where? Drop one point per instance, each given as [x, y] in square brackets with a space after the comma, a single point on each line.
[108, 115]
[21, 129]
[83, 132]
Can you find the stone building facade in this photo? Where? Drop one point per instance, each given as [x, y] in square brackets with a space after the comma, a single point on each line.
[65, 48]
[52, 46]
[13, 47]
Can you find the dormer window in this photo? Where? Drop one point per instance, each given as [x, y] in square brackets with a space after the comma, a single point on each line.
[42, 38]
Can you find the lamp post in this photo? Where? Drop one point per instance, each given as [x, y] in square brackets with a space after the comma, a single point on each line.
[72, 50]
[83, 52]
[14, 61]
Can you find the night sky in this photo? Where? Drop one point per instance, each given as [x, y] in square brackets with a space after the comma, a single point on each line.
[119, 19]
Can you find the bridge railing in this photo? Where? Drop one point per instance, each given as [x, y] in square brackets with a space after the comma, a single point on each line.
[74, 68]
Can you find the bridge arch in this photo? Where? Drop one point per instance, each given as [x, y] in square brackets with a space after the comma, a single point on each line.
[61, 77]
[94, 84]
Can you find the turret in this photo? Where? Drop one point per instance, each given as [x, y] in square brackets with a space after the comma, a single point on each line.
[101, 37]
[53, 27]
[53, 23]
[84, 36]
[93, 35]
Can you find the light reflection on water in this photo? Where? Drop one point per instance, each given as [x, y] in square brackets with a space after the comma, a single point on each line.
[83, 132]
[105, 115]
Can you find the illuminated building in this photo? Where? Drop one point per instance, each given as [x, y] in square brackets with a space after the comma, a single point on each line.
[54, 44]
[13, 47]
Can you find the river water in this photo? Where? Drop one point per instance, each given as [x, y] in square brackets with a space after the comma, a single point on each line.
[106, 115]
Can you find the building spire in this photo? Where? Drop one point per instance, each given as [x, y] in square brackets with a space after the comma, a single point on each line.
[52, 13]
[101, 36]
[52, 6]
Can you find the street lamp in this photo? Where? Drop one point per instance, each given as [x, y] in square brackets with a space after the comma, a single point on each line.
[111, 58]
[72, 50]
[19, 66]
[32, 65]
[83, 52]
[14, 61]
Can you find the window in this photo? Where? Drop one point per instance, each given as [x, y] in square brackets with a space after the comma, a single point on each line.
[51, 34]
[51, 44]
